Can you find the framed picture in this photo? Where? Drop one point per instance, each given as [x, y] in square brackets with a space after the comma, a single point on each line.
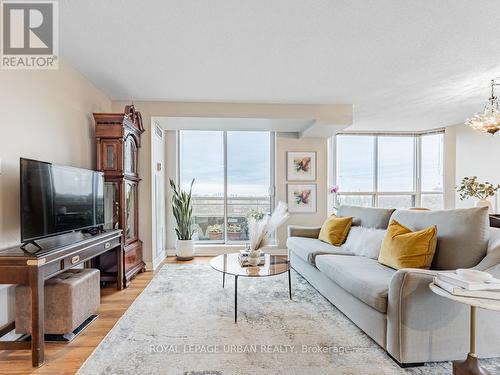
[302, 198]
[301, 166]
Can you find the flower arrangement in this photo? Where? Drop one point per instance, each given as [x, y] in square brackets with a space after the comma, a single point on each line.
[214, 232]
[259, 231]
[334, 190]
[257, 214]
[234, 228]
[471, 188]
[215, 228]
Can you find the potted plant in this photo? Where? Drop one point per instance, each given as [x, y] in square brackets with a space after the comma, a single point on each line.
[182, 206]
[233, 232]
[214, 232]
[471, 188]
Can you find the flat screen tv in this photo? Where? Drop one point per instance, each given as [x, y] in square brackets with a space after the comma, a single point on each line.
[57, 199]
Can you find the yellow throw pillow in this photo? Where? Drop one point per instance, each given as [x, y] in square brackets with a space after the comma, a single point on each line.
[335, 229]
[402, 248]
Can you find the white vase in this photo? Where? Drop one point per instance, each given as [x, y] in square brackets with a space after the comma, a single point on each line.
[254, 258]
[485, 203]
[184, 249]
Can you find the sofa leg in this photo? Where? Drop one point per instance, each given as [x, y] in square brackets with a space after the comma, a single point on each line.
[406, 365]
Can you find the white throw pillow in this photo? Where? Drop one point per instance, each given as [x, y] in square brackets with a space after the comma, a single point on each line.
[365, 242]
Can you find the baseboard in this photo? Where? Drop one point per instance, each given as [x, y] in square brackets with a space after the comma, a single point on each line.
[210, 251]
[152, 266]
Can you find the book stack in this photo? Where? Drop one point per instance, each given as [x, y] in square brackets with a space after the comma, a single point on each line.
[457, 285]
[243, 258]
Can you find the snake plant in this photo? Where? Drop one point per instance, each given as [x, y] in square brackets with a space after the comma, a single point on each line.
[183, 211]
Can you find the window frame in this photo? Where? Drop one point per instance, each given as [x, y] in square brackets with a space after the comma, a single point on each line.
[416, 194]
[272, 182]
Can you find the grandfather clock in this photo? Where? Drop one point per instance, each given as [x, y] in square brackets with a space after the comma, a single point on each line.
[118, 138]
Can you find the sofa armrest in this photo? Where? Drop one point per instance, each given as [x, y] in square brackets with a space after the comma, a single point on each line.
[300, 231]
[416, 317]
[491, 260]
[492, 257]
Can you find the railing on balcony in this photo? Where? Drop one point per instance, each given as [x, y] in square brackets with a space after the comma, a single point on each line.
[209, 217]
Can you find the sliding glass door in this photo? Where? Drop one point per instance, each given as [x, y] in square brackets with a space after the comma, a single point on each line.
[233, 174]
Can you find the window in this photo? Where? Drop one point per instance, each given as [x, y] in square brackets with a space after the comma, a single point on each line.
[399, 171]
[233, 174]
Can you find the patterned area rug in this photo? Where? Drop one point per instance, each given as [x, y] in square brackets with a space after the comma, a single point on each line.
[183, 323]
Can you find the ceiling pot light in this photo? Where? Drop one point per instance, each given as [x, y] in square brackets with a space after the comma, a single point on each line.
[487, 121]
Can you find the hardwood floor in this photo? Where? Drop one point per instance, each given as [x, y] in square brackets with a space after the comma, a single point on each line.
[66, 359]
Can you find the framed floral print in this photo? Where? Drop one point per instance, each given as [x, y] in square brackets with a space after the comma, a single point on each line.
[301, 166]
[302, 198]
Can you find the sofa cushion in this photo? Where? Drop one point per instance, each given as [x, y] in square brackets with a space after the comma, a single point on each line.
[403, 248]
[367, 216]
[365, 242]
[364, 278]
[462, 234]
[335, 229]
[308, 248]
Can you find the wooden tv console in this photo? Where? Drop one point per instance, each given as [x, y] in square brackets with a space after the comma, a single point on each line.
[58, 254]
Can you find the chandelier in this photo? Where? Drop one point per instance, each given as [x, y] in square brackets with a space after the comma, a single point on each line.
[487, 121]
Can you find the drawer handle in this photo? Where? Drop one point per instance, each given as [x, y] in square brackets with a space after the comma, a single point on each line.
[107, 245]
[75, 259]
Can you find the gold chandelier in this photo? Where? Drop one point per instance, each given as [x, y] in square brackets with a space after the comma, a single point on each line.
[487, 121]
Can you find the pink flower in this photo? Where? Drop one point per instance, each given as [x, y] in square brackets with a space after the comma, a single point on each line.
[334, 189]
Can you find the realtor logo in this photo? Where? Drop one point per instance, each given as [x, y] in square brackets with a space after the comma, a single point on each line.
[29, 35]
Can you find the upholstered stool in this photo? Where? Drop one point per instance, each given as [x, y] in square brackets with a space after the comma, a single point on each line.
[70, 298]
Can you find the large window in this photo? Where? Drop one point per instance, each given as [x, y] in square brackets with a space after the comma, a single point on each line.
[233, 174]
[399, 171]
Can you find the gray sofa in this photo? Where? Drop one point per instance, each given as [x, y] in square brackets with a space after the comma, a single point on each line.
[396, 308]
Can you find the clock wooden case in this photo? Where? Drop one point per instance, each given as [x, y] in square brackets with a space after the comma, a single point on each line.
[118, 137]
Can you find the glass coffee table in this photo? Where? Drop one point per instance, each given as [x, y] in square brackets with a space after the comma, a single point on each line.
[229, 264]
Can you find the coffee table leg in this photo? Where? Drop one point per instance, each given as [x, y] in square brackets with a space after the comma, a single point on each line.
[471, 365]
[223, 279]
[236, 298]
[289, 284]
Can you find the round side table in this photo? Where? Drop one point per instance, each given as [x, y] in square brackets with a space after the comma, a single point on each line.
[471, 365]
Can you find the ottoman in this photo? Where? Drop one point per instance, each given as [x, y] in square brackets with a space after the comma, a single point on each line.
[70, 299]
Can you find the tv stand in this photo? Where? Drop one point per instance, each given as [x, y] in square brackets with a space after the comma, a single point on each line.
[32, 242]
[18, 266]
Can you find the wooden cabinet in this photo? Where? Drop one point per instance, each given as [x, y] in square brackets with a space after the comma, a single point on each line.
[118, 137]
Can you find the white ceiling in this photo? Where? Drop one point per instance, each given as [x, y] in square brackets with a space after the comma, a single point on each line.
[404, 65]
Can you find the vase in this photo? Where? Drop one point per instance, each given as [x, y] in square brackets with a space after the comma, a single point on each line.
[184, 249]
[254, 258]
[485, 203]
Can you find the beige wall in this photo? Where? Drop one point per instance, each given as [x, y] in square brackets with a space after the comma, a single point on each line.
[477, 154]
[290, 142]
[46, 115]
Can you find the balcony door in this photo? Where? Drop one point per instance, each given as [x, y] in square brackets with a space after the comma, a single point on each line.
[233, 174]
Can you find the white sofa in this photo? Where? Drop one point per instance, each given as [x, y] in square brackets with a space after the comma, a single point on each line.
[396, 308]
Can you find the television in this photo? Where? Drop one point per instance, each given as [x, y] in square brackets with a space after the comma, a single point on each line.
[56, 199]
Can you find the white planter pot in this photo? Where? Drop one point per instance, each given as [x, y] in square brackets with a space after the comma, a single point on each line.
[184, 249]
[485, 203]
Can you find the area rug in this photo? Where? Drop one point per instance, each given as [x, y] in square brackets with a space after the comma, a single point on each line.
[183, 323]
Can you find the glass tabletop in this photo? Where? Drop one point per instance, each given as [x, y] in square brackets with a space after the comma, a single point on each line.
[230, 264]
